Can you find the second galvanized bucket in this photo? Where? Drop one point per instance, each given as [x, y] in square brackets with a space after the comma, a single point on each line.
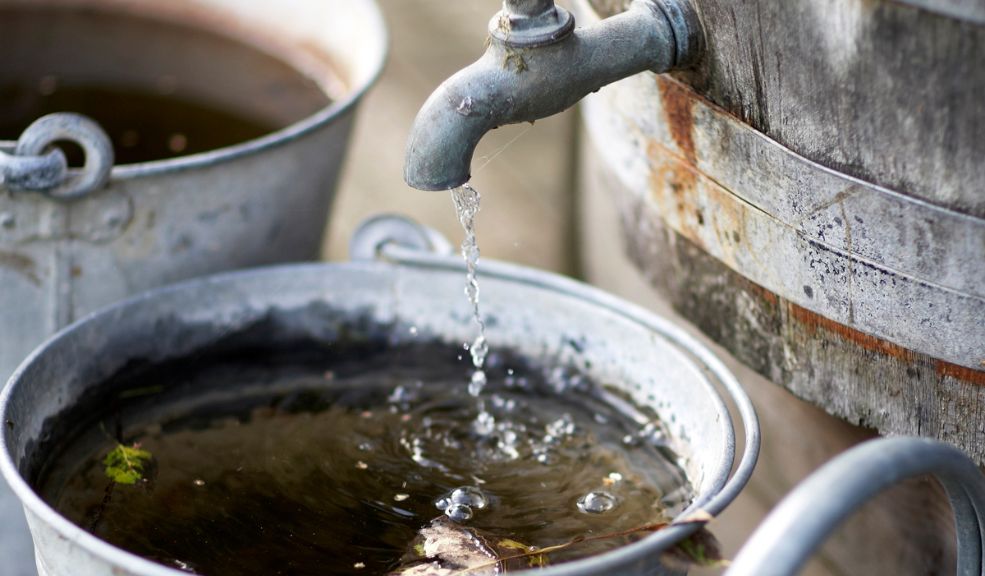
[249, 105]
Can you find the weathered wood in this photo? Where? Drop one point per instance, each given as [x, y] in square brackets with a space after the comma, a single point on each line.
[866, 381]
[908, 530]
[882, 90]
[857, 298]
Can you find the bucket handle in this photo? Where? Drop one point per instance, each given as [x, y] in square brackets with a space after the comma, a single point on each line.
[377, 232]
[34, 164]
[807, 516]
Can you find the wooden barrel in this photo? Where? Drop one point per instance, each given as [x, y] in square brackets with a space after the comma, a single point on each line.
[812, 197]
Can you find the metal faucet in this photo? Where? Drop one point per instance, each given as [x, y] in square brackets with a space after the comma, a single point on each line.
[536, 65]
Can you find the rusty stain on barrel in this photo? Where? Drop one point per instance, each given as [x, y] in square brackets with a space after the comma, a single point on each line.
[813, 322]
[679, 111]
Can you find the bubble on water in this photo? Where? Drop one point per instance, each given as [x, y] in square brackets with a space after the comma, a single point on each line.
[596, 502]
[460, 504]
[468, 495]
[459, 513]
[509, 371]
[413, 330]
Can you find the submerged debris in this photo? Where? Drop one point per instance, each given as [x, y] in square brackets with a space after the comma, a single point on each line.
[443, 548]
[127, 464]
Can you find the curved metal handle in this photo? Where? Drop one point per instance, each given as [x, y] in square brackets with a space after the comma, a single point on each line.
[36, 166]
[377, 232]
[803, 520]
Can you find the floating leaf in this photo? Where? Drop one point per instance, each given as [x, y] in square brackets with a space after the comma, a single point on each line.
[444, 548]
[127, 464]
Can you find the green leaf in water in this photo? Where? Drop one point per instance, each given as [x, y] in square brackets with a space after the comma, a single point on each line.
[126, 464]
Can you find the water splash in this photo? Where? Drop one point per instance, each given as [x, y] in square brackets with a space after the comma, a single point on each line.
[467, 205]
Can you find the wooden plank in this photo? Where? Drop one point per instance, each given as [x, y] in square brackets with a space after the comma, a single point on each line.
[905, 531]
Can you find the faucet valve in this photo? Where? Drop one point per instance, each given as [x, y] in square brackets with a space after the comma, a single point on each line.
[531, 23]
[537, 65]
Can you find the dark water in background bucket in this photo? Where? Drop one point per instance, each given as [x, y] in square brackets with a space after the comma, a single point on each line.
[160, 89]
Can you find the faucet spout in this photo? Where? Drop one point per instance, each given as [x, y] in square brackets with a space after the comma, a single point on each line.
[535, 66]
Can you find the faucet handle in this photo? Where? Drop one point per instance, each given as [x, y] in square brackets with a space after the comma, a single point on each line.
[531, 23]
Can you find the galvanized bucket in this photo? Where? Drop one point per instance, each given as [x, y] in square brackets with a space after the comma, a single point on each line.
[75, 240]
[402, 276]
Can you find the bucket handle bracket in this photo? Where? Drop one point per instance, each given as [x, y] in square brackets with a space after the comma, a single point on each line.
[376, 233]
[36, 165]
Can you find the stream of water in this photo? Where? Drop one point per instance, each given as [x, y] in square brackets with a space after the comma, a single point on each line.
[467, 205]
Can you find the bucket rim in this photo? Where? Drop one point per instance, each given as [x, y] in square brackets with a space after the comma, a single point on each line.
[325, 115]
[723, 490]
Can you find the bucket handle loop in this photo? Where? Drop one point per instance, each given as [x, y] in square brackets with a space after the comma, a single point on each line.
[378, 232]
[807, 516]
[36, 165]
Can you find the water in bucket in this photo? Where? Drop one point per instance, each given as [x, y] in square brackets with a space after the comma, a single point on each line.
[360, 459]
